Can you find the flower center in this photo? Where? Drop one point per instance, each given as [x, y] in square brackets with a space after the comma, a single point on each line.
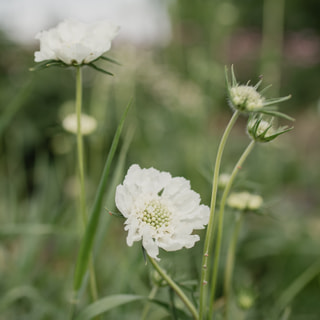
[155, 214]
[246, 98]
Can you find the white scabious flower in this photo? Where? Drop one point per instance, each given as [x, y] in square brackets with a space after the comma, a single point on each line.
[244, 201]
[160, 210]
[88, 123]
[74, 42]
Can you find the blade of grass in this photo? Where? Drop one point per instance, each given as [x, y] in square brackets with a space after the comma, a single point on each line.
[86, 245]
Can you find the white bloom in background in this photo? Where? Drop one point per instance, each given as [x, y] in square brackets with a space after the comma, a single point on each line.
[244, 97]
[74, 42]
[160, 210]
[244, 201]
[88, 123]
[224, 178]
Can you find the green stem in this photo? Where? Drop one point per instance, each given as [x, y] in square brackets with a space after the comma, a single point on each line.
[220, 223]
[83, 206]
[175, 288]
[210, 229]
[230, 263]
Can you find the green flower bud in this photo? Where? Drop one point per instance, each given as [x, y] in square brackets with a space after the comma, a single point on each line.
[263, 131]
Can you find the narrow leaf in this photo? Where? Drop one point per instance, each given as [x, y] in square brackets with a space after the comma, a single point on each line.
[87, 242]
[106, 304]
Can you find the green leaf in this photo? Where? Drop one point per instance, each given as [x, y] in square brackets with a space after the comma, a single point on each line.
[87, 242]
[106, 304]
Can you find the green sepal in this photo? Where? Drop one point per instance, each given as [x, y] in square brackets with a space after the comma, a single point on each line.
[99, 69]
[110, 60]
[275, 113]
[115, 214]
[49, 63]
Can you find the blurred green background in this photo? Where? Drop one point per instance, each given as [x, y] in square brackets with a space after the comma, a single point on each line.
[179, 113]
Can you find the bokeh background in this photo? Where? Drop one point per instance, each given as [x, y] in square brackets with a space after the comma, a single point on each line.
[172, 56]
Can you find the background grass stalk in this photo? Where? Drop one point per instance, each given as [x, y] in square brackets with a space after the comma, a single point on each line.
[230, 263]
[220, 223]
[175, 288]
[210, 229]
[297, 285]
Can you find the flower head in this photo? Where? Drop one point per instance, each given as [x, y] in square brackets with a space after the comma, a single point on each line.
[73, 43]
[248, 99]
[88, 123]
[160, 210]
[244, 201]
[263, 131]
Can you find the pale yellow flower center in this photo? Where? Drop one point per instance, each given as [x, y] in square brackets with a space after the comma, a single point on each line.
[156, 214]
[246, 97]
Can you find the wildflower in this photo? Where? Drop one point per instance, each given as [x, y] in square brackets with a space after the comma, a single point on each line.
[88, 123]
[223, 179]
[75, 43]
[244, 201]
[160, 210]
[246, 299]
[248, 99]
[263, 131]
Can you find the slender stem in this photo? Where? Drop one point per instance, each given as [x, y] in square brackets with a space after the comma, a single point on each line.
[83, 206]
[210, 229]
[152, 294]
[230, 263]
[220, 223]
[175, 288]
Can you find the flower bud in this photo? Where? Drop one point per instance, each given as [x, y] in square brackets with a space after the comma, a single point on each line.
[263, 131]
[244, 201]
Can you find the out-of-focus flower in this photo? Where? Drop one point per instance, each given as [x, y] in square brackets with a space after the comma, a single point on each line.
[223, 179]
[244, 201]
[88, 123]
[263, 131]
[160, 210]
[75, 43]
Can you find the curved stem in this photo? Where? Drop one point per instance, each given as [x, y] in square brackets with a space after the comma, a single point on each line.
[230, 263]
[175, 288]
[220, 222]
[210, 229]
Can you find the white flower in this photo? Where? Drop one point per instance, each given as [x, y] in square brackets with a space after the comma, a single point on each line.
[88, 123]
[246, 97]
[74, 42]
[224, 178]
[160, 210]
[244, 201]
